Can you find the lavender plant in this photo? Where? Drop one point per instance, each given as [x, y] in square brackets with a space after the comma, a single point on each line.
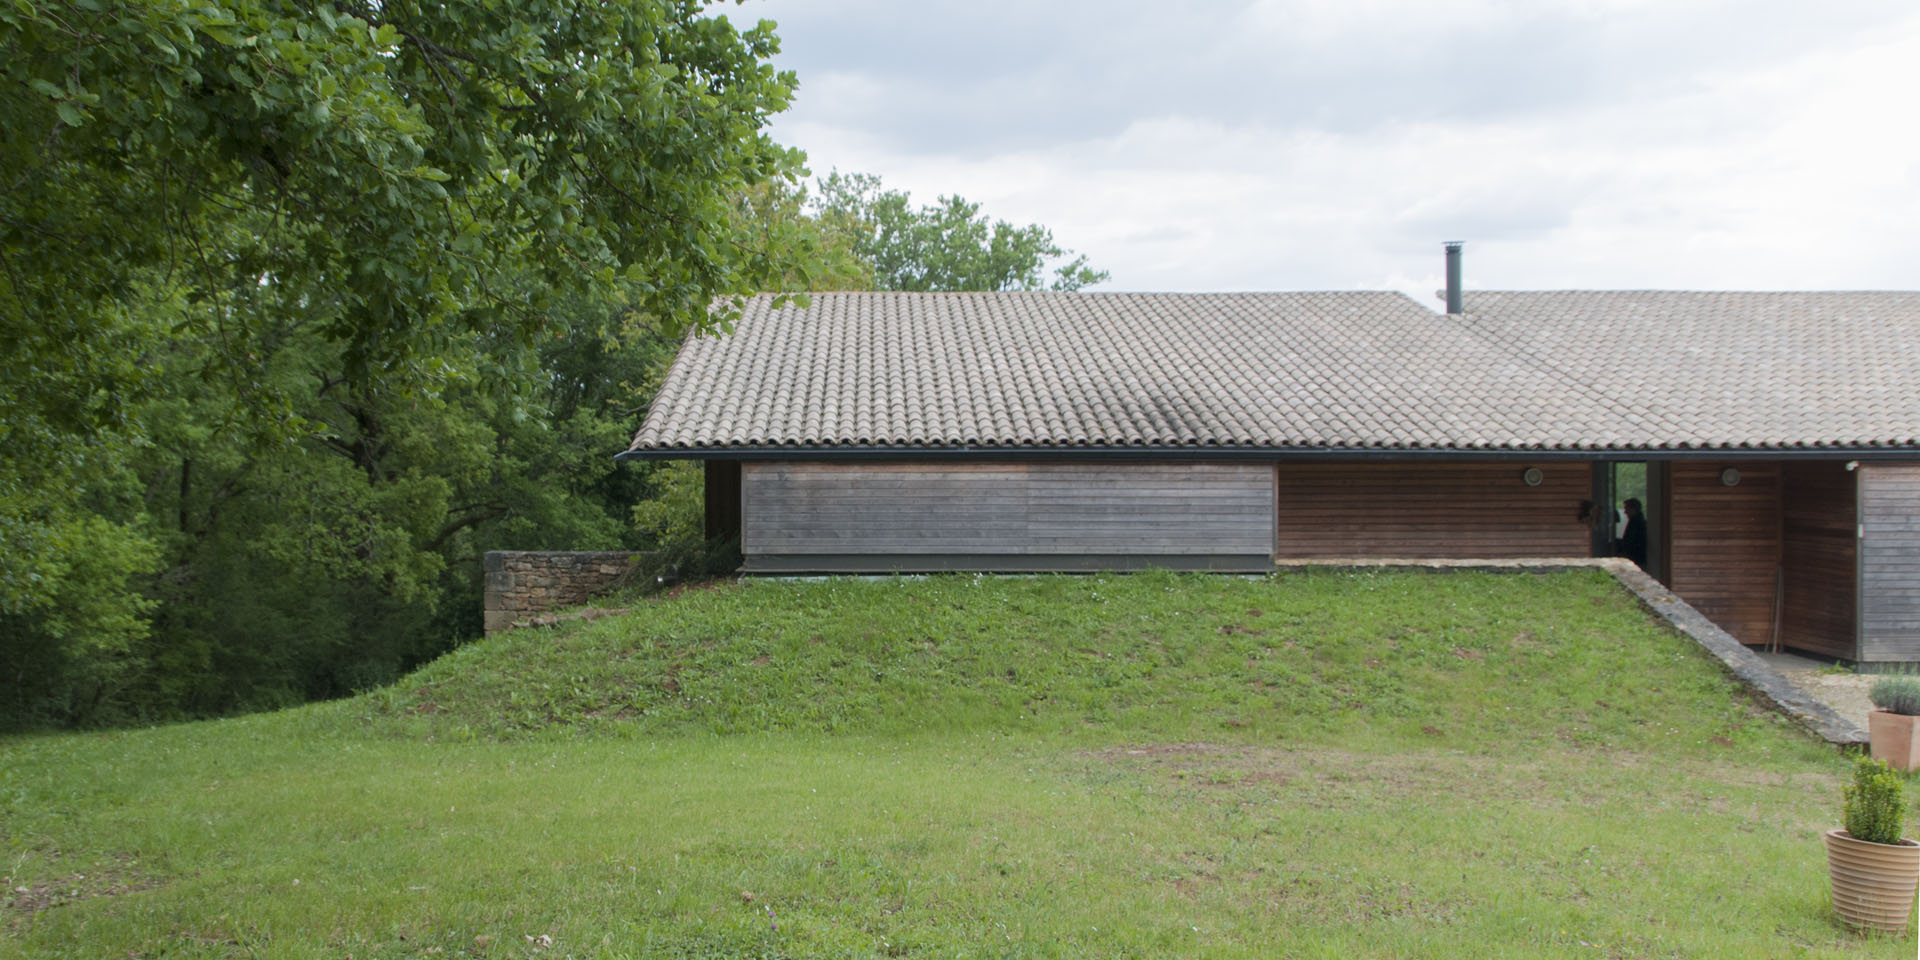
[1899, 695]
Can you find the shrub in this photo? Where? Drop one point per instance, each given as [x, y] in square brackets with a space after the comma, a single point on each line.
[1899, 695]
[1876, 802]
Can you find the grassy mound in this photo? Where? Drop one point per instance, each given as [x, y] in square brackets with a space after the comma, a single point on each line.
[1437, 657]
[1316, 765]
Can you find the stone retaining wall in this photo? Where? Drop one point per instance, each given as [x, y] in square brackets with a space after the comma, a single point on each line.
[522, 585]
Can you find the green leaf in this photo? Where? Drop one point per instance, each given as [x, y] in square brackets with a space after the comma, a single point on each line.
[221, 33]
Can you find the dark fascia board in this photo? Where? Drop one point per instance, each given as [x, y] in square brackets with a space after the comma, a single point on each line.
[1110, 453]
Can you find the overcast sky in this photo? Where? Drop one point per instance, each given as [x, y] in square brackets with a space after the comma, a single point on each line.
[1333, 144]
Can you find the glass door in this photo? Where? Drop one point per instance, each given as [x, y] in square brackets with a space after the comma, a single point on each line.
[1625, 515]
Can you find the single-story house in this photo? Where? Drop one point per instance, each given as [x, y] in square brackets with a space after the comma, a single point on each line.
[1776, 437]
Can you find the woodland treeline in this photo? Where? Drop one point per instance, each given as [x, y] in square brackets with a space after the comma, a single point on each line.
[303, 307]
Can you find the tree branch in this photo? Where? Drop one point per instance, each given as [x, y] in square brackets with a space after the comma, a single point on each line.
[470, 520]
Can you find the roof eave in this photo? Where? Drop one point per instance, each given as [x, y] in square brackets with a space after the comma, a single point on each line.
[1225, 452]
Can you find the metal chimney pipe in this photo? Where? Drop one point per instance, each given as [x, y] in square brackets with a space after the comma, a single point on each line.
[1453, 277]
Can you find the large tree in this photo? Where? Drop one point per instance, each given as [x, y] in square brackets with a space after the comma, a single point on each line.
[276, 279]
[303, 307]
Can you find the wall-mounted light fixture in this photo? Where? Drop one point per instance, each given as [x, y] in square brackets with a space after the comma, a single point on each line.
[1532, 476]
[1730, 477]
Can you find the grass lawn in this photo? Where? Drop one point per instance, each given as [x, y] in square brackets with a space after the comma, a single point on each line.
[1312, 765]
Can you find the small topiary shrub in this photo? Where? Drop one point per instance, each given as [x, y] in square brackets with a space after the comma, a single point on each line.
[1899, 695]
[1876, 802]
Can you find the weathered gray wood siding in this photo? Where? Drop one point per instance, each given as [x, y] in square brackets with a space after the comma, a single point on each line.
[1070, 516]
[1889, 561]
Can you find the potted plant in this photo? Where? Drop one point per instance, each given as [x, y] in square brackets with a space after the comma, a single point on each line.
[1874, 870]
[1894, 728]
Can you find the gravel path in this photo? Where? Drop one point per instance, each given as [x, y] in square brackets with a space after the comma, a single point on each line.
[1846, 693]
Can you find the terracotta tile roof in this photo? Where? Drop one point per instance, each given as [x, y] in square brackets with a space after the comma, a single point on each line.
[1523, 371]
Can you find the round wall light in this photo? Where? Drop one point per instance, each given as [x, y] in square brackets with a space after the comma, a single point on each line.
[1532, 476]
[1730, 477]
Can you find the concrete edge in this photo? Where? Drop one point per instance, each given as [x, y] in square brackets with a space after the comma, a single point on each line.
[1744, 664]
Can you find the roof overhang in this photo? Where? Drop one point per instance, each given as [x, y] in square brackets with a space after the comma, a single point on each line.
[1210, 452]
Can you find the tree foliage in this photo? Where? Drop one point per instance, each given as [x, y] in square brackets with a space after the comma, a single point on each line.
[295, 298]
[336, 562]
[303, 307]
[949, 245]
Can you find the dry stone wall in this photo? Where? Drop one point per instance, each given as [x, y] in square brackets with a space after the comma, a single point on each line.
[523, 585]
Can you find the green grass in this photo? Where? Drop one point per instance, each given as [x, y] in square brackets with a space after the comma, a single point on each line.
[1315, 765]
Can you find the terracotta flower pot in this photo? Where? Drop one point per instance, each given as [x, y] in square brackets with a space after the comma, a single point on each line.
[1895, 738]
[1873, 883]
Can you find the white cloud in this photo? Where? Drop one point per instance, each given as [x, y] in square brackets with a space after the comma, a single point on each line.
[1790, 162]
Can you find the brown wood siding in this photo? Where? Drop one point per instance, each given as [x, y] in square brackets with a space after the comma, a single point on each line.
[1007, 509]
[1475, 511]
[1890, 561]
[1817, 547]
[1724, 544]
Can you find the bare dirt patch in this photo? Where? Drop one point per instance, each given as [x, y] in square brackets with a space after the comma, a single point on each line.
[105, 877]
[679, 590]
[588, 615]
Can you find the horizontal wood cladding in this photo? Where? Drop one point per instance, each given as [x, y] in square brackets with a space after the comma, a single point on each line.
[1724, 545]
[1453, 510]
[913, 511]
[1002, 563]
[1890, 561]
[1818, 513]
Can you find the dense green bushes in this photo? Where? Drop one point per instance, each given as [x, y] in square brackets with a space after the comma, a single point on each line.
[305, 306]
[302, 303]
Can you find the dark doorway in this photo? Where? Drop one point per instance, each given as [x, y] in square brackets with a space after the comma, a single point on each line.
[1615, 531]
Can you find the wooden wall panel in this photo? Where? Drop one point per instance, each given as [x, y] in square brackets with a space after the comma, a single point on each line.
[1890, 561]
[1007, 509]
[1441, 509]
[1724, 546]
[1817, 548]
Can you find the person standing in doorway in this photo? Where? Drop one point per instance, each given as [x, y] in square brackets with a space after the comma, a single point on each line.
[1633, 542]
